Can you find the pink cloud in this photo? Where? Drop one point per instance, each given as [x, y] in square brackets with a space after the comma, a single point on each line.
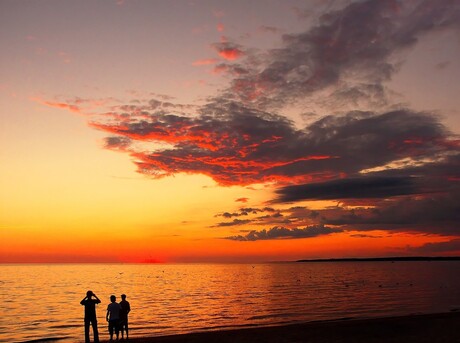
[220, 69]
[228, 50]
[62, 105]
[230, 54]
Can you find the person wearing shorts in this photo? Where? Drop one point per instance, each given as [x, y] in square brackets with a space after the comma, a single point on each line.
[113, 317]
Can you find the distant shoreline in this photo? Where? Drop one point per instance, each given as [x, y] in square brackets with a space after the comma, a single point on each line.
[385, 259]
[346, 259]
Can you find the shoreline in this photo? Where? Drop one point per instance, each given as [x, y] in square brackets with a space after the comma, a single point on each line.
[386, 259]
[439, 327]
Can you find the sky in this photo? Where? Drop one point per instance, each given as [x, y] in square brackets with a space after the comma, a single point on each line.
[228, 131]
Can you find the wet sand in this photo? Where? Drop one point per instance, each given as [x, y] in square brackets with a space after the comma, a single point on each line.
[429, 328]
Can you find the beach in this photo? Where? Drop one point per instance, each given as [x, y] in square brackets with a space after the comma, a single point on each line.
[443, 327]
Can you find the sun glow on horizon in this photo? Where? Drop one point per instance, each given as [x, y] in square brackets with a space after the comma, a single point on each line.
[240, 133]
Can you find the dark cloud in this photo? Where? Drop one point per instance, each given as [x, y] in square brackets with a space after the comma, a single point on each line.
[228, 50]
[234, 222]
[285, 233]
[359, 40]
[245, 211]
[237, 138]
[117, 143]
[268, 216]
[230, 215]
[270, 29]
[404, 163]
[240, 146]
[452, 246]
[363, 187]
[443, 65]
[438, 213]
[360, 235]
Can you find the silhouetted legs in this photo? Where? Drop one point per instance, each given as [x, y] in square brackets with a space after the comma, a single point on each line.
[113, 325]
[124, 327]
[95, 332]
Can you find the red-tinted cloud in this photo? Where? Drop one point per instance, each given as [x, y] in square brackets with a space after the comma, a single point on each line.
[233, 149]
[238, 137]
[79, 105]
[230, 54]
[238, 145]
[227, 50]
[62, 105]
[285, 233]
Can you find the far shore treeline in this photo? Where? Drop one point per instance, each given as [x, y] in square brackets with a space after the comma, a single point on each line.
[387, 259]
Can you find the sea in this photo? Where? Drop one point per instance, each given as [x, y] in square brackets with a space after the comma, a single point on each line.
[41, 302]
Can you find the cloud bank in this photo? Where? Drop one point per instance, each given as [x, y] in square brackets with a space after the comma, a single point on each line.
[285, 233]
[403, 164]
[240, 138]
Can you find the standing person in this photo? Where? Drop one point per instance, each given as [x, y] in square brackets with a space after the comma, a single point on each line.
[90, 315]
[125, 309]
[113, 316]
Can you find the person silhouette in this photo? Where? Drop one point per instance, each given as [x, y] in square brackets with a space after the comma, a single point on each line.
[125, 309]
[90, 315]
[113, 316]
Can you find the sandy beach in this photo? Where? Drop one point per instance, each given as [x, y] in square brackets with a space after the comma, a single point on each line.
[416, 328]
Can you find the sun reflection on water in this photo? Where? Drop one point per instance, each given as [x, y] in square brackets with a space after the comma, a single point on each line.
[42, 301]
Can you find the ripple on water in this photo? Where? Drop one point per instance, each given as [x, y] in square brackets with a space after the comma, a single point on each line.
[168, 299]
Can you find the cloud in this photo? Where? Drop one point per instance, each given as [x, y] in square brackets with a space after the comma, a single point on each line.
[436, 214]
[285, 233]
[117, 143]
[242, 200]
[268, 216]
[452, 246]
[443, 65]
[238, 137]
[72, 107]
[236, 145]
[360, 235]
[245, 211]
[83, 106]
[340, 53]
[270, 29]
[229, 51]
[363, 187]
[234, 222]
[400, 167]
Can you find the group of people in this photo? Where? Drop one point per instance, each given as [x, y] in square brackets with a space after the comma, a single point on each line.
[117, 316]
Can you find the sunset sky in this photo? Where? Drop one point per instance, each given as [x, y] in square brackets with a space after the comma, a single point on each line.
[228, 131]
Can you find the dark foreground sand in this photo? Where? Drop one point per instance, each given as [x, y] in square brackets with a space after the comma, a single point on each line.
[418, 328]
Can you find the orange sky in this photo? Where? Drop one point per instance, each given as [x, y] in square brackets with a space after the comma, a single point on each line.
[227, 132]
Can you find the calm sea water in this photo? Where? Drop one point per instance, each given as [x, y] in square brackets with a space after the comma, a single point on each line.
[42, 301]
